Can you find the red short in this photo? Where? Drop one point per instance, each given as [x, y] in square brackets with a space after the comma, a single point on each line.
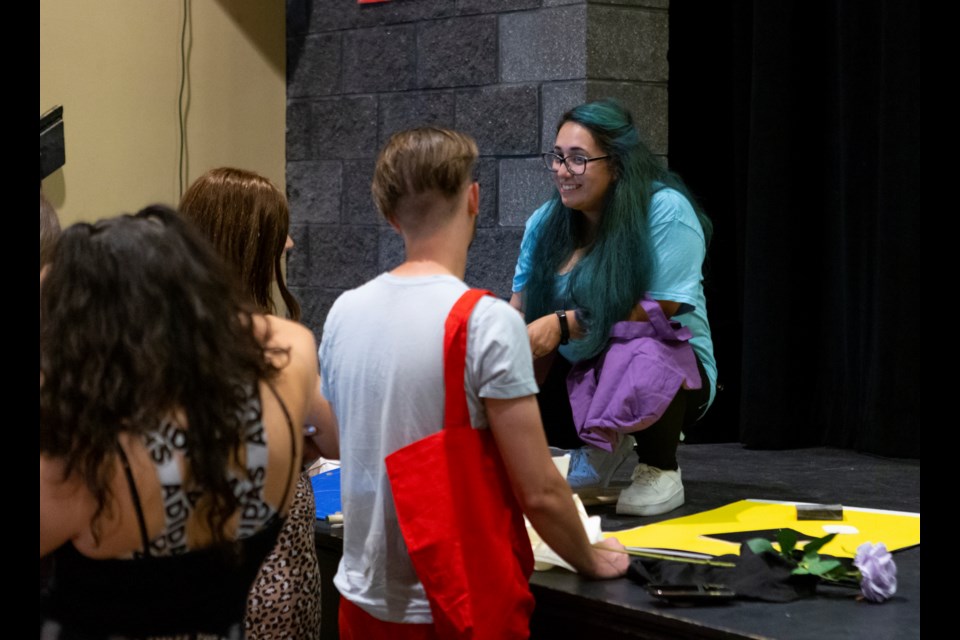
[357, 624]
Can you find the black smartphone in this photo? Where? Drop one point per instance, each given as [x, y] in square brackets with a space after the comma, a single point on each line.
[691, 593]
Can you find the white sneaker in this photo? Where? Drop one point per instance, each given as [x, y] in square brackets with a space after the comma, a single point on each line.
[591, 467]
[652, 492]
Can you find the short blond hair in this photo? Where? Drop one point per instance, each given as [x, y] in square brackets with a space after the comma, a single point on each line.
[417, 161]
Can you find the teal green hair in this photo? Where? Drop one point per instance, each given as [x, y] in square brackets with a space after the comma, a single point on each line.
[617, 267]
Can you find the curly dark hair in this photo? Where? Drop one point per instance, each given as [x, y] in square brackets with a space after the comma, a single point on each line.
[141, 322]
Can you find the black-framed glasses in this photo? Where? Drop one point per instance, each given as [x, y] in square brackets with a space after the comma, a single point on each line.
[575, 164]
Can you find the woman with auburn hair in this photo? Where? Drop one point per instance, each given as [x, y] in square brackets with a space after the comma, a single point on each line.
[247, 220]
[169, 432]
[621, 239]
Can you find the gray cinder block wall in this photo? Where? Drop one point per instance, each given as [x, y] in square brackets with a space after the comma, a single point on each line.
[502, 70]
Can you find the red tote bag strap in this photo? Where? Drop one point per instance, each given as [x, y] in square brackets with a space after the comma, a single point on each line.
[456, 412]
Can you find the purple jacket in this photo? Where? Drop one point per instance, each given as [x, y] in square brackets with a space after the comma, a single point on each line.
[634, 379]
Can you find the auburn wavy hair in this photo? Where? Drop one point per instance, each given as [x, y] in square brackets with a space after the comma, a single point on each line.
[247, 219]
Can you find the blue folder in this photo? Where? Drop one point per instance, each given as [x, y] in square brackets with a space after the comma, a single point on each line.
[326, 493]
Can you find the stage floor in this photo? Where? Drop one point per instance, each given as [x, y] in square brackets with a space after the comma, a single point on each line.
[718, 474]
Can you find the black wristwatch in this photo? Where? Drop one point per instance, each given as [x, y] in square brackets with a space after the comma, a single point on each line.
[564, 327]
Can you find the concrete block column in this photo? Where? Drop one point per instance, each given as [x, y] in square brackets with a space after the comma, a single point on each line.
[501, 70]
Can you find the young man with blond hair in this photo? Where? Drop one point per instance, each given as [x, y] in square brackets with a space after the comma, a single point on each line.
[381, 360]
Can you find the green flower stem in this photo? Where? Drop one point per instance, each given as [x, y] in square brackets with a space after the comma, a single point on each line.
[852, 582]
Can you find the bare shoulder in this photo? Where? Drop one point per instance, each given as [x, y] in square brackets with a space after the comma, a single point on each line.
[297, 354]
[51, 471]
[57, 488]
[278, 333]
[65, 504]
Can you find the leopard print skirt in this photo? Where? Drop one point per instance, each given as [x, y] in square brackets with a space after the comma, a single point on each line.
[284, 601]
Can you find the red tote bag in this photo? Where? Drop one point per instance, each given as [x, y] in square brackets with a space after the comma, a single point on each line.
[458, 515]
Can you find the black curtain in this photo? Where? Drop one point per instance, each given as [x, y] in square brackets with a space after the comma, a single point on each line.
[796, 124]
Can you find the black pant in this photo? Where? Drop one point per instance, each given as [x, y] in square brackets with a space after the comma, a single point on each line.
[656, 445]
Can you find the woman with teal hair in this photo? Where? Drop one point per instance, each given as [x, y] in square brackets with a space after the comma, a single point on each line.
[620, 231]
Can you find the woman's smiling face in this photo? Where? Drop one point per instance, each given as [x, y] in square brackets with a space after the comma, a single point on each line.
[585, 192]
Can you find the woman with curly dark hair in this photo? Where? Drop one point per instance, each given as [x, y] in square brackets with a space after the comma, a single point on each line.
[170, 438]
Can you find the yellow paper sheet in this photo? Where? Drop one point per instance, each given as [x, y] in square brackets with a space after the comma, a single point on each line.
[896, 529]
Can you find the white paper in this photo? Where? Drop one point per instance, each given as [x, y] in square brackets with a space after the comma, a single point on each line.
[546, 558]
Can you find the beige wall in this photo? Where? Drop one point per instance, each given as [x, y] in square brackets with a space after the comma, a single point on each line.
[114, 65]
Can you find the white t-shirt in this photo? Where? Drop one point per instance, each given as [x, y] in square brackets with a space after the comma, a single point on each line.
[382, 366]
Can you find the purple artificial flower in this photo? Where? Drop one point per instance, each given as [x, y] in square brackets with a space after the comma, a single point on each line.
[878, 571]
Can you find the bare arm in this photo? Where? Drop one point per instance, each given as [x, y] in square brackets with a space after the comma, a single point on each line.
[544, 332]
[321, 437]
[669, 307]
[325, 437]
[64, 506]
[516, 301]
[542, 492]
